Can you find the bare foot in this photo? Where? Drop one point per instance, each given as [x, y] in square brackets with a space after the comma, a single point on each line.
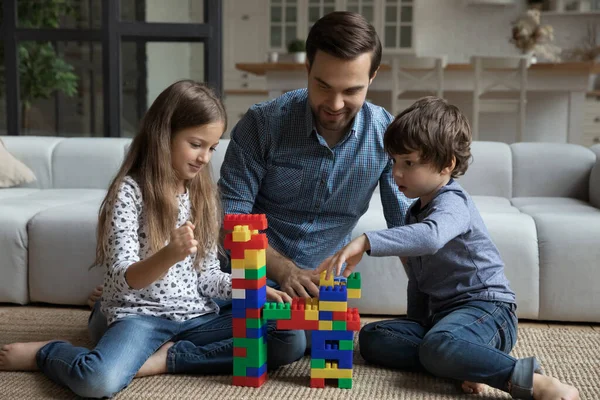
[549, 388]
[20, 356]
[157, 363]
[472, 387]
[94, 296]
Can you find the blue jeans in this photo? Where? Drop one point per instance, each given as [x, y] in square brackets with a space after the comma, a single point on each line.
[469, 342]
[203, 345]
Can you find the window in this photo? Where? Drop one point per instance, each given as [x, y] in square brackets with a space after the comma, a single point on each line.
[91, 67]
[398, 24]
[284, 23]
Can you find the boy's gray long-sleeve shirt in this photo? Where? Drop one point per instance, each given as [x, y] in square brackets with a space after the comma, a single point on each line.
[451, 258]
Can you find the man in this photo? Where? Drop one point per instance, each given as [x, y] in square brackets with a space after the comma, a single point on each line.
[311, 159]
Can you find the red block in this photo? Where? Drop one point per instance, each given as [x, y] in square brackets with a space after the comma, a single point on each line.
[307, 325]
[249, 283]
[239, 352]
[255, 313]
[339, 315]
[249, 381]
[256, 242]
[254, 221]
[317, 383]
[352, 319]
[239, 327]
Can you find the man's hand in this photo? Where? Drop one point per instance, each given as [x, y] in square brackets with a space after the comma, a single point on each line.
[351, 254]
[278, 296]
[300, 283]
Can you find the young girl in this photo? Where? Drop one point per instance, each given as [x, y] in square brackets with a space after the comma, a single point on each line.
[158, 230]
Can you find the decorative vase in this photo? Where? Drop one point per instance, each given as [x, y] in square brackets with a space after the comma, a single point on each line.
[300, 57]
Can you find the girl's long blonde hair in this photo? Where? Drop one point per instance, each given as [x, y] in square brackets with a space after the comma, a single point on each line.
[182, 105]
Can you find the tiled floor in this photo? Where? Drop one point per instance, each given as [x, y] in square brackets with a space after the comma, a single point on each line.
[522, 323]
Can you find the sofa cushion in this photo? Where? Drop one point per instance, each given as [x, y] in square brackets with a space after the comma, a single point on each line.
[557, 205]
[15, 214]
[76, 162]
[490, 173]
[491, 204]
[552, 170]
[15, 192]
[36, 153]
[569, 266]
[595, 178]
[58, 260]
[515, 236]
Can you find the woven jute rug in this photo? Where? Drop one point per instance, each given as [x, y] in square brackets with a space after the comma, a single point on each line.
[571, 355]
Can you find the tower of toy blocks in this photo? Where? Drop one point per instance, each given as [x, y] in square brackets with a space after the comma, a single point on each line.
[248, 273]
[332, 324]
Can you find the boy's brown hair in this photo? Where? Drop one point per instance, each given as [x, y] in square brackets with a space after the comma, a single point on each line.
[435, 129]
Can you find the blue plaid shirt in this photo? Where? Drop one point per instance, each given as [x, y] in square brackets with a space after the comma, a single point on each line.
[277, 164]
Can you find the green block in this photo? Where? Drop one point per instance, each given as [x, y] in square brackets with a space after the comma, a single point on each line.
[345, 383]
[339, 325]
[353, 281]
[318, 363]
[346, 345]
[255, 273]
[239, 366]
[276, 311]
[256, 352]
[255, 322]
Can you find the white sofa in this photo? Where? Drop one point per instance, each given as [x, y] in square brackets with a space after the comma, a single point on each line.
[540, 202]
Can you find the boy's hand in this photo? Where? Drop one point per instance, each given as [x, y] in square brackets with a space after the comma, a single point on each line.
[278, 295]
[182, 243]
[351, 254]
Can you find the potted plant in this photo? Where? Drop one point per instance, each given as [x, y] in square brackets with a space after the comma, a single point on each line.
[297, 47]
[41, 70]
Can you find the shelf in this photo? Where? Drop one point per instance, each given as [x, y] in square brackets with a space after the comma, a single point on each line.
[570, 13]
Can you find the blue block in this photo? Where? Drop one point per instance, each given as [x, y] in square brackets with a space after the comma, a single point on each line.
[343, 357]
[341, 279]
[333, 293]
[239, 304]
[321, 336]
[325, 315]
[256, 372]
[238, 312]
[256, 298]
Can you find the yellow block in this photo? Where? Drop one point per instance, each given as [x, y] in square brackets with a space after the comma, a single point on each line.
[241, 233]
[255, 259]
[236, 263]
[330, 371]
[311, 315]
[333, 305]
[255, 232]
[354, 293]
[325, 282]
[325, 325]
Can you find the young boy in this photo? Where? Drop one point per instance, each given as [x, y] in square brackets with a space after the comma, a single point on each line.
[461, 322]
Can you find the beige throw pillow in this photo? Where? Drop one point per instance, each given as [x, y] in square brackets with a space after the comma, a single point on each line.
[12, 171]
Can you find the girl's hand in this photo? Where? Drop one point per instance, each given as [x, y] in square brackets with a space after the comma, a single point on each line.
[182, 243]
[278, 296]
[351, 254]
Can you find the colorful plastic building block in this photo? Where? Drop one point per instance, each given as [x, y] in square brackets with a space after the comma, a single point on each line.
[333, 323]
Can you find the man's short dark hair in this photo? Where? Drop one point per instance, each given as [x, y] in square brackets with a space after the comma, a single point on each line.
[344, 35]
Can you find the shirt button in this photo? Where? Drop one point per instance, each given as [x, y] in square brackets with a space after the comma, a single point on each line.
[322, 181]
[317, 206]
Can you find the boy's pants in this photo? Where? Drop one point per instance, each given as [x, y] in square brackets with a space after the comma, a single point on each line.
[469, 342]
